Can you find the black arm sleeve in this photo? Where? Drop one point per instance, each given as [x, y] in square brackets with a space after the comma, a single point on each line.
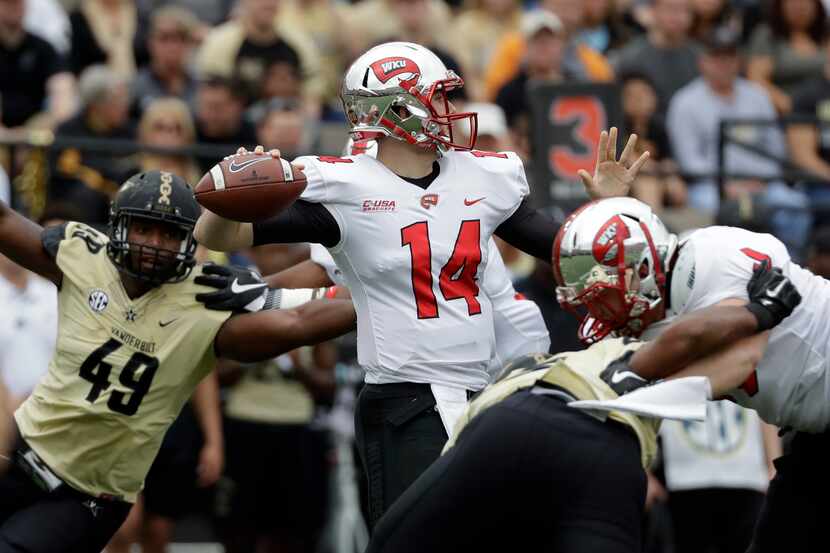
[51, 238]
[302, 222]
[530, 230]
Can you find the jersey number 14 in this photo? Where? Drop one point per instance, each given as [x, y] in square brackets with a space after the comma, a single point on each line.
[457, 278]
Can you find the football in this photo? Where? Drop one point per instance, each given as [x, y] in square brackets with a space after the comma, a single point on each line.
[250, 187]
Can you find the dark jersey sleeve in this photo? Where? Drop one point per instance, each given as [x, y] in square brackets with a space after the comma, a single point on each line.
[301, 222]
[530, 230]
[51, 238]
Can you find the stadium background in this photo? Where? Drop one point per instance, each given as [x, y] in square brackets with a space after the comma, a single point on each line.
[732, 98]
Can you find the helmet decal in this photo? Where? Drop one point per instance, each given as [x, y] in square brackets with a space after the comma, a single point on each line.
[386, 68]
[607, 248]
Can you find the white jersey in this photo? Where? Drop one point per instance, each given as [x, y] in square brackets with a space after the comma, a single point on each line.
[517, 321]
[790, 387]
[412, 259]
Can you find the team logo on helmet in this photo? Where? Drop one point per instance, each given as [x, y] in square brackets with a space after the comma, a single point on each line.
[387, 68]
[609, 238]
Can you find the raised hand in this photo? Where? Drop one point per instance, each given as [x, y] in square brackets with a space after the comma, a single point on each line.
[772, 296]
[613, 177]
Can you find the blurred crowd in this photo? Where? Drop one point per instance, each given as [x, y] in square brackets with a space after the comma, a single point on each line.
[188, 81]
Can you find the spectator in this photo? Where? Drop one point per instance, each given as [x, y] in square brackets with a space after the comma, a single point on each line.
[326, 23]
[283, 125]
[91, 177]
[104, 32]
[248, 46]
[818, 252]
[711, 14]
[809, 135]
[28, 329]
[665, 54]
[492, 132]
[543, 62]
[48, 20]
[5, 187]
[787, 50]
[167, 123]
[658, 183]
[716, 475]
[368, 28]
[579, 59]
[169, 43]
[219, 108]
[603, 28]
[32, 73]
[209, 12]
[474, 35]
[694, 120]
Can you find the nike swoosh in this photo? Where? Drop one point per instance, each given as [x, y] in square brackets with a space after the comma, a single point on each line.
[777, 290]
[237, 288]
[171, 321]
[235, 167]
[618, 377]
[473, 202]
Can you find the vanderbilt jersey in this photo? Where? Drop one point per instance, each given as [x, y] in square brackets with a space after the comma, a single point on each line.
[517, 322]
[121, 372]
[790, 387]
[412, 259]
[576, 372]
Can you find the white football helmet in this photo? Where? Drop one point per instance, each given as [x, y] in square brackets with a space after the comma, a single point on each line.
[389, 91]
[610, 259]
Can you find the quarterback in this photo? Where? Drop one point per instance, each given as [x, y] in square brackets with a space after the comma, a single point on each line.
[133, 343]
[410, 232]
[528, 473]
[618, 266]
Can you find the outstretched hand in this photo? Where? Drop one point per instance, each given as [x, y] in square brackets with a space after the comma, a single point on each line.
[238, 289]
[613, 177]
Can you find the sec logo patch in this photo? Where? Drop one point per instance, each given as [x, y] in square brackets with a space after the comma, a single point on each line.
[98, 300]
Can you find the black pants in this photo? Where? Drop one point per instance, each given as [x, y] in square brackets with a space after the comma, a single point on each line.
[65, 520]
[714, 520]
[528, 474]
[399, 433]
[796, 512]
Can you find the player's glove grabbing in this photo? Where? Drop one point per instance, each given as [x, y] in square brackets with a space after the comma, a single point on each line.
[621, 378]
[238, 289]
[772, 296]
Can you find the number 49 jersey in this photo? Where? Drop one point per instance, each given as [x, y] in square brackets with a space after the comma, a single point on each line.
[121, 371]
[412, 259]
[791, 385]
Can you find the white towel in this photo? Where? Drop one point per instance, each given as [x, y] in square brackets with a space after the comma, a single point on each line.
[451, 404]
[680, 399]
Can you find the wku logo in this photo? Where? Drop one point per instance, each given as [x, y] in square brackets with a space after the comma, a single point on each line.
[607, 243]
[429, 200]
[387, 68]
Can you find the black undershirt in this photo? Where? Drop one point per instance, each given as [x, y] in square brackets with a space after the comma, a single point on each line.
[527, 229]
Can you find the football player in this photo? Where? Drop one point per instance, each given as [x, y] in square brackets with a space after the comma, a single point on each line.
[410, 231]
[528, 473]
[133, 343]
[616, 263]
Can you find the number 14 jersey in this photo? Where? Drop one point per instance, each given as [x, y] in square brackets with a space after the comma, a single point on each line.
[412, 259]
[121, 372]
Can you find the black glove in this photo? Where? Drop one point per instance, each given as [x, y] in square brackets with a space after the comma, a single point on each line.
[621, 377]
[772, 296]
[239, 289]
